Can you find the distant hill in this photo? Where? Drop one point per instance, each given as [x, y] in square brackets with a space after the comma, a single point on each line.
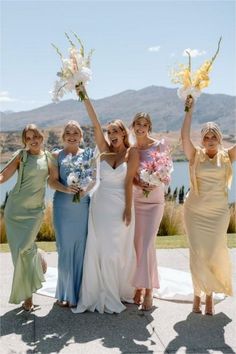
[162, 103]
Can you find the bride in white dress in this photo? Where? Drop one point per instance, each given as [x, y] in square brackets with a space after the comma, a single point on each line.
[109, 260]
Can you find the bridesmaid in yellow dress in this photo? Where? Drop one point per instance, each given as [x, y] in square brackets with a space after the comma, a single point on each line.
[206, 212]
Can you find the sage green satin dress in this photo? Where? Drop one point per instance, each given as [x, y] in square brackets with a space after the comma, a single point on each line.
[23, 216]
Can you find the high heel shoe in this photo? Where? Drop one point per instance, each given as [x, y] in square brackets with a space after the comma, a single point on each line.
[147, 302]
[28, 305]
[209, 308]
[62, 303]
[197, 304]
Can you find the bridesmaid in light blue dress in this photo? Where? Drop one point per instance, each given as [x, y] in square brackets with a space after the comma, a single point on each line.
[70, 219]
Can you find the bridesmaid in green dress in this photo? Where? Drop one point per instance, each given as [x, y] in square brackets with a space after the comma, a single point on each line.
[24, 213]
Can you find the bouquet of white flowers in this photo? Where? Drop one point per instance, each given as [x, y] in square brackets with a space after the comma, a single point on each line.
[81, 171]
[75, 70]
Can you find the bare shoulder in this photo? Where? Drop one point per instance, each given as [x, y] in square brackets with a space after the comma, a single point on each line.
[16, 158]
[55, 153]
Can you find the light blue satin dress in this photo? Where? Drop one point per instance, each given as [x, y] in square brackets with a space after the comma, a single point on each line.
[70, 222]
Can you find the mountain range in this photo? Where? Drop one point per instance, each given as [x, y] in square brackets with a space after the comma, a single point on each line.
[161, 103]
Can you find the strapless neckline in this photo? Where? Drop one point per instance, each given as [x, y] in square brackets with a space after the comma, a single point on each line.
[116, 166]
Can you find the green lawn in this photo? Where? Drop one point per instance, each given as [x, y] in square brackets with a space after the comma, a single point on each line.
[180, 241]
[175, 241]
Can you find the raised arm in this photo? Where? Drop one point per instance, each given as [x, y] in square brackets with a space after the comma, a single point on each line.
[98, 132]
[188, 146]
[132, 166]
[10, 169]
[232, 153]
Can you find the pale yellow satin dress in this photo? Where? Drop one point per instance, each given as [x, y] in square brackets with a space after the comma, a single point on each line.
[206, 218]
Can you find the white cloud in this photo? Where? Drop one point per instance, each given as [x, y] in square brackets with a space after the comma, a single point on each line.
[5, 97]
[154, 49]
[193, 52]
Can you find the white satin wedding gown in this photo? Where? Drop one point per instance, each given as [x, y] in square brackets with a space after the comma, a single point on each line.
[109, 261]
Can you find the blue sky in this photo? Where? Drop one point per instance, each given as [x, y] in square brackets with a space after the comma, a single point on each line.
[136, 43]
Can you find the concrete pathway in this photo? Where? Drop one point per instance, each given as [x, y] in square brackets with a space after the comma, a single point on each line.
[169, 328]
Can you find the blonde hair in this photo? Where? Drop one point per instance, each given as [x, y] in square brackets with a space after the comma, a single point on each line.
[211, 127]
[72, 123]
[33, 128]
[144, 115]
[123, 128]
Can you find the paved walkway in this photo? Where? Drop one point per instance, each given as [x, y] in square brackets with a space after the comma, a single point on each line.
[169, 328]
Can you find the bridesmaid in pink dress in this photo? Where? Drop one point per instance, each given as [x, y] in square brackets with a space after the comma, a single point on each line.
[148, 214]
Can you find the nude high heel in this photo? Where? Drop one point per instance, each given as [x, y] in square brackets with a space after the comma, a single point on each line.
[197, 304]
[209, 308]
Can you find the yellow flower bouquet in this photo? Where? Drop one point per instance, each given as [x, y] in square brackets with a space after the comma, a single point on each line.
[193, 82]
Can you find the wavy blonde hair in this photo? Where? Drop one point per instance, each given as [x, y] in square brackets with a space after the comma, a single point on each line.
[32, 127]
[123, 128]
[144, 115]
[72, 123]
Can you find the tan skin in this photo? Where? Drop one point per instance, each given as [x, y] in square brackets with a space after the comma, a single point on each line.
[33, 146]
[211, 144]
[72, 138]
[144, 141]
[114, 152]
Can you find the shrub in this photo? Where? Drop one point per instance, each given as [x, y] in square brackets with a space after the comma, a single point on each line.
[232, 220]
[172, 221]
[46, 232]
